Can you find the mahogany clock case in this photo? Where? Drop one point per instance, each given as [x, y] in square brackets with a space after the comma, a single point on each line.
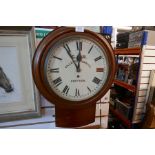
[39, 60]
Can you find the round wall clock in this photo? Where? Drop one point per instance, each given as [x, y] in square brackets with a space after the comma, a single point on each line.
[73, 70]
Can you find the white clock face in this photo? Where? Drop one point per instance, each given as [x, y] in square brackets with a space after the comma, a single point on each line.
[76, 69]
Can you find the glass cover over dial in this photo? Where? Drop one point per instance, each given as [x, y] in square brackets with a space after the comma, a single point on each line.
[76, 68]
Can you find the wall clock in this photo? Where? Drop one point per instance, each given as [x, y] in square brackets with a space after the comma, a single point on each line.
[73, 70]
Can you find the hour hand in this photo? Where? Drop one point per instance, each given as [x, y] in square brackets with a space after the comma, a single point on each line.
[78, 60]
[69, 53]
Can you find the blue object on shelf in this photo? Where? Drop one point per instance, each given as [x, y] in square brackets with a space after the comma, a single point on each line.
[107, 30]
[145, 36]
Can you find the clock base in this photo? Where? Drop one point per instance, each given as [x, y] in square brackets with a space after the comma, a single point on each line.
[68, 118]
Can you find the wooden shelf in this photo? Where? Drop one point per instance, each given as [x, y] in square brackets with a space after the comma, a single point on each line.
[122, 118]
[125, 85]
[124, 66]
[127, 51]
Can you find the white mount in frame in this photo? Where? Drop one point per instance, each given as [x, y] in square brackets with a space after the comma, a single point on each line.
[19, 98]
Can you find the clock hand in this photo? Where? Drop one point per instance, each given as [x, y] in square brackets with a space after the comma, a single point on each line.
[79, 57]
[78, 67]
[78, 60]
[69, 53]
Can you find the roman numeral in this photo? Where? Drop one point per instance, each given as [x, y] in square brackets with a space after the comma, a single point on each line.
[57, 58]
[99, 69]
[54, 70]
[77, 92]
[57, 81]
[98, 58]
[89, 89]
[90, 49]
[67, 48]
[96, 80]
[66, 89]
[79, 45]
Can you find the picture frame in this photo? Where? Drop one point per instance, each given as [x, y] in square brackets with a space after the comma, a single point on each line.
[149, 118]
[150, 99]
[19, 97]
[97, 29]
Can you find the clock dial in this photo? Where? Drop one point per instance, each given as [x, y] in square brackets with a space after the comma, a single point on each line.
[76, 68]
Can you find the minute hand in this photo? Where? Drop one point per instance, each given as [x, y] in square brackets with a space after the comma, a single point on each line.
[69, 53]
[79, 58]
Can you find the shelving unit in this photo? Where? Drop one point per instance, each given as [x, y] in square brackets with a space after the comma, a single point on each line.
[132, 52]
[120, 117]
[128, 51]
[125, 85]
[147, 63]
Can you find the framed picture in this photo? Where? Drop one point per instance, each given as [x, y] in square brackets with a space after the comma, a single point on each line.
[151, 89]
[149, 119]
[19, 98]
[96, 29]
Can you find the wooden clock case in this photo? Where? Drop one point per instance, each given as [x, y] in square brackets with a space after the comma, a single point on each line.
[70, 113]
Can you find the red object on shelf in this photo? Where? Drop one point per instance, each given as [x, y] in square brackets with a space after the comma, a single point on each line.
[125, 85]
[128, 51]
[122, 118]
